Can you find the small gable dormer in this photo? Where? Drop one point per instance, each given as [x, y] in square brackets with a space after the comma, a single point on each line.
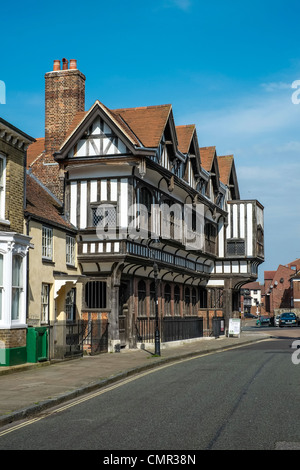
[209, 161]
[188, 145]
[228, 176]
[98, 132]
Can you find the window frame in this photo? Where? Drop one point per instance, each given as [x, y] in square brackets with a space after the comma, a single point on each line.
[70, 250]
[95, 300]
[17, 288]
[45, 319]
[47, 247]
[70, 307]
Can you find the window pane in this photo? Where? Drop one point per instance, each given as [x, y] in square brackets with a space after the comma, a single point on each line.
[1, 171]
[70, 250]
[45, 302]
[15, 304]
[47, 243]
[16, 271]
[70, 304]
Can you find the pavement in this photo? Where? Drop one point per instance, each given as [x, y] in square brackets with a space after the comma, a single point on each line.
[29, 389]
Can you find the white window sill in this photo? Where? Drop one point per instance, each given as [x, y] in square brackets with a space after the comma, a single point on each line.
[13, 326]
[4, 221]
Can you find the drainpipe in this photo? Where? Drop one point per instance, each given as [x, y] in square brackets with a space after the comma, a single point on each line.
[27, 269]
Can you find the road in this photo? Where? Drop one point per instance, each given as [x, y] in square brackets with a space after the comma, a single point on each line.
[246, 398]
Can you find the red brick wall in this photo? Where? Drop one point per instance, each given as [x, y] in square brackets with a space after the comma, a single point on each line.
[280, 296]
[64, 97]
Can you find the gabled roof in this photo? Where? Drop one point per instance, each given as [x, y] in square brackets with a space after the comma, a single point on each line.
[225, 167]
[207, 155]
[148, 123]
[43, 206]
[81, 116]
[185, 135]
[142, 127]
[35, 150]
[228, 174]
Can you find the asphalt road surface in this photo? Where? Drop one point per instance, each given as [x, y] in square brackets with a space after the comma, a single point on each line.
[245, 398]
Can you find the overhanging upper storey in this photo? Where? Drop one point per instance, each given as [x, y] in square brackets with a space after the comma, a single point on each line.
[245, 230]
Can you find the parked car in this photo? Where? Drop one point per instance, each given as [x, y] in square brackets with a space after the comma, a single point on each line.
[249, 315]
[288, 319]
[263, 321]
[276, 320]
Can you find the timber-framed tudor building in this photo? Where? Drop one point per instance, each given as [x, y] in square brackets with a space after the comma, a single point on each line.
[132, 188]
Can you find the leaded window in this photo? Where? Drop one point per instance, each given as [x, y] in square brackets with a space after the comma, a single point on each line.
[104, 216]
[236, 248]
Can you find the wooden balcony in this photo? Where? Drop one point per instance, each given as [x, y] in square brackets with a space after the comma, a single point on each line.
[101, 250]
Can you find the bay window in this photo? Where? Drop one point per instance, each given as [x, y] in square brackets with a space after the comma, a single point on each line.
[13, 271]
[1, 285]
[17, 286]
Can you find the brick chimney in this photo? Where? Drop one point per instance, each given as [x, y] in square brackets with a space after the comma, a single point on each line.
[64, 97]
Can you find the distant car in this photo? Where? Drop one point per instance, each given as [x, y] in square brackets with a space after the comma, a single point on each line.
[276, 320]
[263, 321]
[288, 319]
[249, 315]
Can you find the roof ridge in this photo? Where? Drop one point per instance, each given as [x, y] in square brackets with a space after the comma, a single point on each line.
[143, 107]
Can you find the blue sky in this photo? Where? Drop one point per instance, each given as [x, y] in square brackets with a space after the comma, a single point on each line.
[227, 67]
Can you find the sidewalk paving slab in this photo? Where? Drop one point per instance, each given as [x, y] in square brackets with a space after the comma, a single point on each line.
[29, 389]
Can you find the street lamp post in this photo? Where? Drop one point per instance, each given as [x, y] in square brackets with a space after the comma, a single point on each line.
[157, 334]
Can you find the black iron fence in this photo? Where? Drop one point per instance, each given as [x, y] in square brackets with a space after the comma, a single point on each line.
[171, 328]
[71, 339]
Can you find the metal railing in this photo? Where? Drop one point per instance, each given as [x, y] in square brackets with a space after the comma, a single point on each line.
[171, 328]
[73, 339]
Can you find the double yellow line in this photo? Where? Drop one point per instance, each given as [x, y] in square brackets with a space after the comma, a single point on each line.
[105, 390]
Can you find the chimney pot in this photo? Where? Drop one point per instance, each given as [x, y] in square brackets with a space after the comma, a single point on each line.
[56, 65]
[73, 64]
[65, 64]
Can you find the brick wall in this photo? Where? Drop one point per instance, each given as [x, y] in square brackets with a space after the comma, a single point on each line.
[14, 199]
[13, 338]
[280, 296]
[64, 97]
